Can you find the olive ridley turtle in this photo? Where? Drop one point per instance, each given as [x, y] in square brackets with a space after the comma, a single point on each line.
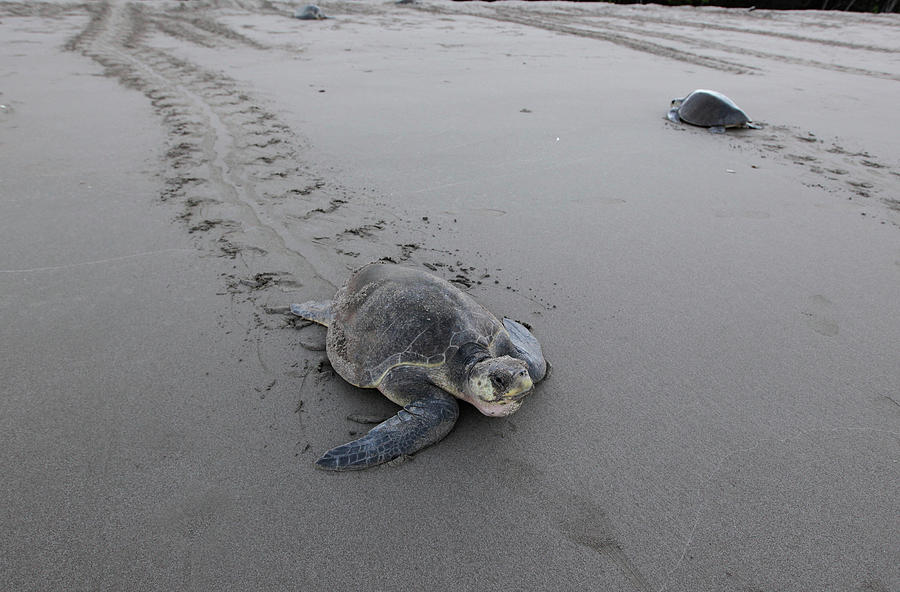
[310, 12]
[423, 343]
[708, 108]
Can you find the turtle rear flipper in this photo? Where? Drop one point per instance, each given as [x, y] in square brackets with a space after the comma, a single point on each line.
[317, 312]
[421, 423]
[527, 348]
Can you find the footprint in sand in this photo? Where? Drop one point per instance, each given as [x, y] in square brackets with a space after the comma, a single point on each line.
[892, 204]
[801, 158]
[817, 316]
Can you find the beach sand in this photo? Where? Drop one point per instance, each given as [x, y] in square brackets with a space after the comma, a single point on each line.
[720, 310]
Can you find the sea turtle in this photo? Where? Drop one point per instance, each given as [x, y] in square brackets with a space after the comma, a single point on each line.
[310, 12]
[423, 343]
[708, 108]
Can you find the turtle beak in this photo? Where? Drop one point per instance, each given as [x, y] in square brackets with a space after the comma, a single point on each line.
[521, 387]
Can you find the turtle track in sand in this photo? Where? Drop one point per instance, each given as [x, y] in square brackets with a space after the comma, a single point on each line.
[550, 21]
[823, 164]
[234, 166]
[679, 35]
[727, 40]
[41, 9]
[831, 167]
[231, 162]
[238, 169]
[719, 39]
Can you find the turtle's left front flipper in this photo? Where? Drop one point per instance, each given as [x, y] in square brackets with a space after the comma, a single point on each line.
[419, 424]
[527, 348]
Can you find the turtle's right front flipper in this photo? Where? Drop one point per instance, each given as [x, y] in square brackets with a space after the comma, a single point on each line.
[527, 349]
[317, 312]
[419, 424]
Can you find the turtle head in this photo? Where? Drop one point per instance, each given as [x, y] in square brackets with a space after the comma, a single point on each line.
[676, 103]
[496, 386]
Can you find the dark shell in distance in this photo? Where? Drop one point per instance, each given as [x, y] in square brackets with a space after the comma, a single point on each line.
[310, 12]
[708, 108]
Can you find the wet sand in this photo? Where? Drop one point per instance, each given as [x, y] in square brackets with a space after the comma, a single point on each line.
[720, 310]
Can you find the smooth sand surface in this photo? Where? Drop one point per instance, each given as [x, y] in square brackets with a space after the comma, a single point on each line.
[721, 311]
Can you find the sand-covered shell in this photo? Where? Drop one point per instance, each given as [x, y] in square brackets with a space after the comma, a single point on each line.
[708, 108]
[388, 316]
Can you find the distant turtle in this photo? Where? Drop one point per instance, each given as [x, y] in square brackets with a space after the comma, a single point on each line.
[708, 108]
[421, 341]
[310, 12]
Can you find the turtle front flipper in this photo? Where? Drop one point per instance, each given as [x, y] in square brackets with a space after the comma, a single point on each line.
[420, 423]
[527, 349]
[672, 115]
[317, 312]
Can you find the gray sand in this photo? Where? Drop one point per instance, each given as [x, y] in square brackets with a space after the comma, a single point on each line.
[720, 311]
